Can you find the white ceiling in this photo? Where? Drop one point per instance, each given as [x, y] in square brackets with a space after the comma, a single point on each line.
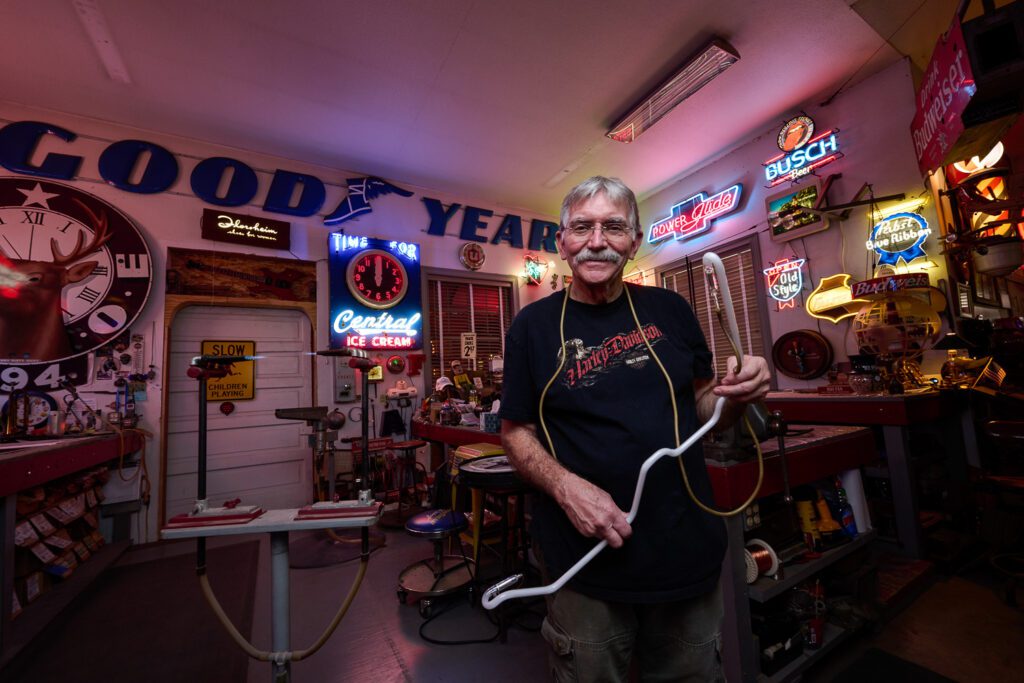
[489, 99]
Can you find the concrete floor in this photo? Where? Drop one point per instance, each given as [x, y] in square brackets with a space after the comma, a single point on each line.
[958, 627]
[379, 640]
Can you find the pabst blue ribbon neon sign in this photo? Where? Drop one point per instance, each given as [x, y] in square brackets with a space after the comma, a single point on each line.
[693, 216]
[785, 280]
[899, 236]
[804, 157]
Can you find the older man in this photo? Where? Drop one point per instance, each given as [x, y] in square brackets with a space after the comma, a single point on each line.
[585, 403]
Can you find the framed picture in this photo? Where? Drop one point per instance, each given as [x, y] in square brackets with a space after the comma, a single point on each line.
[786, 221]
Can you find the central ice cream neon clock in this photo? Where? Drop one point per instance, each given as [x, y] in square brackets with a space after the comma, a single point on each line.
[374, 293]
[377, 278]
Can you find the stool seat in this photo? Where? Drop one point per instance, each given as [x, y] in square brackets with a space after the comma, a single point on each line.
[436, 523]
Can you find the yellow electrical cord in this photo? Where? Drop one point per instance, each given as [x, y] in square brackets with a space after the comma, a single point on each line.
[672, 396]
[294, 655]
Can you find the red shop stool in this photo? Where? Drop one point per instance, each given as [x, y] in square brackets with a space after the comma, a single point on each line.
[408, 485]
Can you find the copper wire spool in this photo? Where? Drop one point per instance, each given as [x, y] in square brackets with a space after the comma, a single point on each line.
[760, 559]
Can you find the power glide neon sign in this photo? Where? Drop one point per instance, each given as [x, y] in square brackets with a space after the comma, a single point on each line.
[806, 154]
[693, 216]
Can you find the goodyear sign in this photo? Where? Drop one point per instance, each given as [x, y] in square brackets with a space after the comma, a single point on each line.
[240, 383]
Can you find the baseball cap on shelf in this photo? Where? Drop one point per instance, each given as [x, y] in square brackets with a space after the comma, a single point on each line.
[441, 383]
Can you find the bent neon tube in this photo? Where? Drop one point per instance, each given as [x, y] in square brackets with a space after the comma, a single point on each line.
[499, 593]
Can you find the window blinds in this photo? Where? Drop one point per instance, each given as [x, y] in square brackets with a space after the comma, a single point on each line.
[740, 272]
[458, 306]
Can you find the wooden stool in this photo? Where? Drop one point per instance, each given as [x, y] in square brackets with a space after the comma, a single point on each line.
[408, 465]
[400, 488]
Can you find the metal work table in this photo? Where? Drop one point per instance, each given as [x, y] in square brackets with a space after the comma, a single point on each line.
[894, 416]
[278, 523]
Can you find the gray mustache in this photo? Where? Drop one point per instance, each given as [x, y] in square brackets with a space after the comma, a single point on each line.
[587, 254]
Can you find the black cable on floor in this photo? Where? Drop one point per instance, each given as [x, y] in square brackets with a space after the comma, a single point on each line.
[435, 641]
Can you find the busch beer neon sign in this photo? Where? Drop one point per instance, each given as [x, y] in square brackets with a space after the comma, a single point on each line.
[785, 280]
[801, 155]
[693, 216]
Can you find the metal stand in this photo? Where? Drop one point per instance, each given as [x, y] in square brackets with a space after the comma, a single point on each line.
[276, 522]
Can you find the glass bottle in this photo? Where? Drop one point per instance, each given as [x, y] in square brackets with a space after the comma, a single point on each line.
[949, 371]
[845, 511]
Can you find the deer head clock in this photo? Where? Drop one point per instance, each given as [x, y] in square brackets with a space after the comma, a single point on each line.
[75, 272]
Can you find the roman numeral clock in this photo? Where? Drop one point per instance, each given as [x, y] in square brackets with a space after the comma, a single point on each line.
[75, 272]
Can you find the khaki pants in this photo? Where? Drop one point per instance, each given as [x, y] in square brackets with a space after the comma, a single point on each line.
[592, 640]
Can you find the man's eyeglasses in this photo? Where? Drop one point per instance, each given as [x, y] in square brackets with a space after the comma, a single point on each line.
[612, 230]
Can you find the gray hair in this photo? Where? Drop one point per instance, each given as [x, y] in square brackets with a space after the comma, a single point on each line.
[613, 188]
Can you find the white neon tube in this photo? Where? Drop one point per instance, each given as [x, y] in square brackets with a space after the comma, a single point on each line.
[499, 593]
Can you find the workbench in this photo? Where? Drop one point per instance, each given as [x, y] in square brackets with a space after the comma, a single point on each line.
[29, 463]
[894, 416]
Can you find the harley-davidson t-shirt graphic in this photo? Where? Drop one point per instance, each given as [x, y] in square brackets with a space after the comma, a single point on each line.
[586, 364]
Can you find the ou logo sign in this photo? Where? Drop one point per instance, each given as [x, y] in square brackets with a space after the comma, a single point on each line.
[784, 281]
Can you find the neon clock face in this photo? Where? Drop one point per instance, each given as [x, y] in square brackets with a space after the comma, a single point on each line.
[377, 278]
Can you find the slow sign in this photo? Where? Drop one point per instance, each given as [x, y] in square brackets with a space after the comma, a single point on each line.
[240, 383]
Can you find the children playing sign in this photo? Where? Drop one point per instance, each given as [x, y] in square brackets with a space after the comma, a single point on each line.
[240, 382]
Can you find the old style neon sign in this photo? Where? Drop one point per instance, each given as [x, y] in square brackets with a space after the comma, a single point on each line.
[801, 153]
[784, 281]
[899, 236]
[693, 216]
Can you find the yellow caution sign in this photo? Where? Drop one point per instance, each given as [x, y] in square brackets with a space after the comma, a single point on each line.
[240, 382]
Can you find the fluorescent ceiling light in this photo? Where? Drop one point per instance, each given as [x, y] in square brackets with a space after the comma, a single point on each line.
[95, 24]
[694, 74]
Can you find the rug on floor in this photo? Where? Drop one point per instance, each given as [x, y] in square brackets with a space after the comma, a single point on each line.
[149, 622]
[879, 666]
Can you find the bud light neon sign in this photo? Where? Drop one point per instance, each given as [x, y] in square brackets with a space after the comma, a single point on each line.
[693, 216]
[804, 158]
[785, 280]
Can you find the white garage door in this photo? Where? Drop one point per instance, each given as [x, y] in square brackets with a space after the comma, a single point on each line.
[251, 454]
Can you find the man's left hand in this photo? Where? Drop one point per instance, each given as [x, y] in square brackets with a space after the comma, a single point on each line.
[748, 385]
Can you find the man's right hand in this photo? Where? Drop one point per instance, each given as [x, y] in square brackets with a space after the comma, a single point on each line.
[592, 511]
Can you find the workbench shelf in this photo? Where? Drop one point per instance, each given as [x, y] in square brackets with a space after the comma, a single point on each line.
[39, 614]
[764, 589]
[833, 637]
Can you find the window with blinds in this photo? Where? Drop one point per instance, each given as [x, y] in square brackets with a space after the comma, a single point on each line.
[458, 306]
[688, 279]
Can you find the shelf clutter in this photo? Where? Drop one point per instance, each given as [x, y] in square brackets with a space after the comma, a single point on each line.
[56, 531]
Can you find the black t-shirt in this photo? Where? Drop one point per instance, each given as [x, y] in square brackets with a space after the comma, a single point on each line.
[607, 411]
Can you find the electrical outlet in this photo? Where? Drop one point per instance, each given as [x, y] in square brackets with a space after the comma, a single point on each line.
[344, 381]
